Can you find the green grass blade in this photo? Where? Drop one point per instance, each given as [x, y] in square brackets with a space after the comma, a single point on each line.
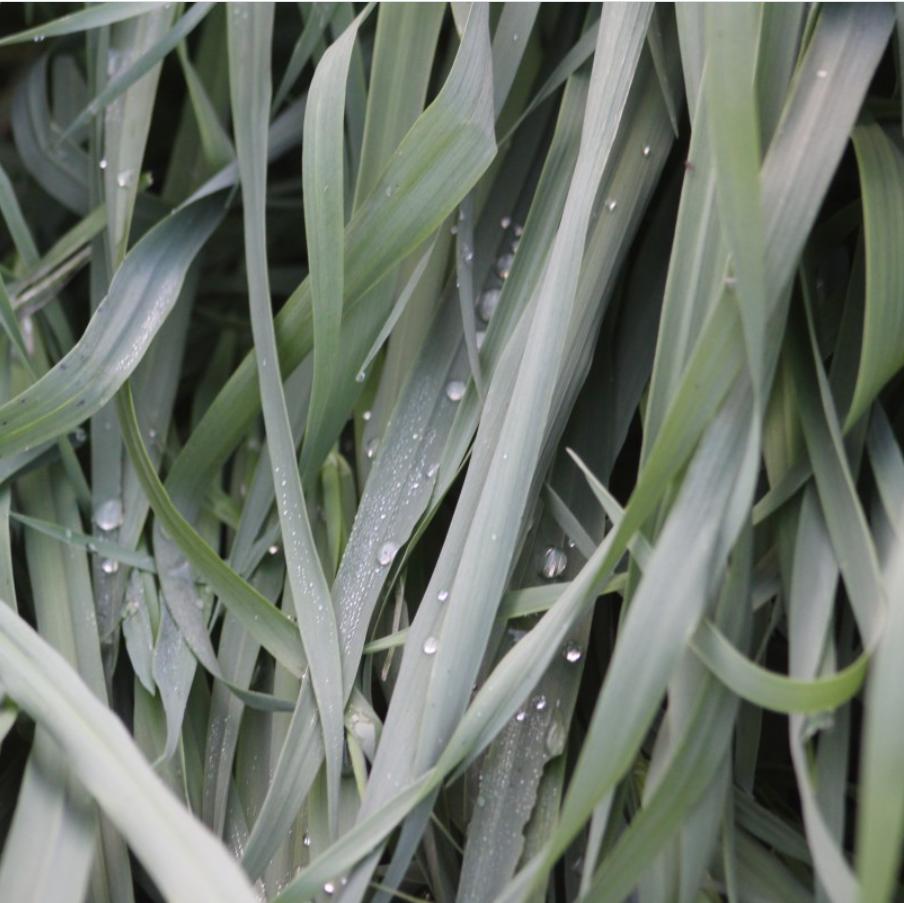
[250, 52]
[183, 858]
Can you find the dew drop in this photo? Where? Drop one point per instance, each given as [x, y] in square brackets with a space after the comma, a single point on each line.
[518, 230]
[504, 265]
[366, 416]
[505, 222]
[306, 840]
[274, 549]
[108, 515]
[487, 304]
[430, 645]
[554, 563]
[387, 553]
[38, 38]
[555, 738]
[109, 566]
[647, 150]
[540, 703]
[329, 888]
[480, 338]
[103, 163]
[455, 390]
[453, 230]
[573, 653]
[442, 595]
[370, 450]
[431, 471]
[822, 73]
[360, 377]
[521, 716]
[611, 204]
[123, 179]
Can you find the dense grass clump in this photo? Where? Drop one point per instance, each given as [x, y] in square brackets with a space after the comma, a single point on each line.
[451, 452]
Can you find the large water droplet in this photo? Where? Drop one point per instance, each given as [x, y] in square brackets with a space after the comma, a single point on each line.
[274, 549]
[573, 653]
[387, 553]
[109, 565]
[556, 737]
[554, 563]
[366, 416]
[430, 645]
[108, 515]
[103, 163]
[455, 390]
[329, 887]
[504, 265]
[487, 304]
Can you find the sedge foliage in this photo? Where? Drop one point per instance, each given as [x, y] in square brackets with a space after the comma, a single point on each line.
[451, 452]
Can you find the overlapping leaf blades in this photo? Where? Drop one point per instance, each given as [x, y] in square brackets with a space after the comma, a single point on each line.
[512, 353]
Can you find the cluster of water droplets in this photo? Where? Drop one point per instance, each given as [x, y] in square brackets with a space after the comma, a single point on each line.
[108, 516]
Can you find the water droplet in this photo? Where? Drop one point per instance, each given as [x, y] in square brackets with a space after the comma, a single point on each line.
[430, 645]
[329, 888]
[487, 304]
[103, 163]
[152, 433]
[38, 38]
[647, 150]
[370, 450]
[431, 471]
[124, 178]
[520, 716]
[109, 566]
[387, 553]
[540, 703]
[554, 563]
[518, 230]
[442, 595]
[453, 230]
[274, 549]
[455, 390]
[611, 204]
[505, 222]
[366, 416]
[361, 376]
[306, 840]
[468, 255]
[132, 608]
[108, 515]
[80, 435]
[515, 36]
[504, 265]
[822, 73]
[573, 653]
[556, 736]
[480, 338]
[571, 544]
